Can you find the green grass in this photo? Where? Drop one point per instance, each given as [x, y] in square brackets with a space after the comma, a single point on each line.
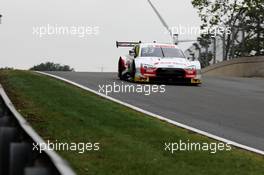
[130, 142]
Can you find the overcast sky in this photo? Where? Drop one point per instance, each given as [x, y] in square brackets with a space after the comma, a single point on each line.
[124, 20]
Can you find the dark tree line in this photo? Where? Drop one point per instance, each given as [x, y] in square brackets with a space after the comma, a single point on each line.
[49, 66]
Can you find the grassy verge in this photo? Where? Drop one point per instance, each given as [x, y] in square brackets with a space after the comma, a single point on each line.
[130, 142]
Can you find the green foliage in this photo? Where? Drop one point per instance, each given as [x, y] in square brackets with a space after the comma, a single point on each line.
[49, 66]
[243, 18]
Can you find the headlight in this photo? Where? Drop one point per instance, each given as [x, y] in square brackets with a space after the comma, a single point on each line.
[192, 67]
[190, 70]
[147, 66]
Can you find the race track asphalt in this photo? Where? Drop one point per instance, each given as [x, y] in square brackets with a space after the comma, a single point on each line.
[232, 108]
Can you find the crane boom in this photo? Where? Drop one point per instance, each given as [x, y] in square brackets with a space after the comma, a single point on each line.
[160, 17]
[172, 35]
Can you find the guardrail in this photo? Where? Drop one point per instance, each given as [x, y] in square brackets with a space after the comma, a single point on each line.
[238, 67]
[17, 140]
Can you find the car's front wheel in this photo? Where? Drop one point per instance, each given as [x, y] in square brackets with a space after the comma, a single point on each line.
[121, 68]
[133, 71]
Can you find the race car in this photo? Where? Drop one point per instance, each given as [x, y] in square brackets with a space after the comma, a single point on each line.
[157, 62]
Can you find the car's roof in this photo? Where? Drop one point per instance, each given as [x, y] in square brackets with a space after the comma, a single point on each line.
[158, 45]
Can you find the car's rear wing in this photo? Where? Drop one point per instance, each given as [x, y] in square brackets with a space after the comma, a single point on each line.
[126, 44]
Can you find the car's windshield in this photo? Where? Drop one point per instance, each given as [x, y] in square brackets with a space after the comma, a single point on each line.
[151, 52]
[161, 52]
[172, 52]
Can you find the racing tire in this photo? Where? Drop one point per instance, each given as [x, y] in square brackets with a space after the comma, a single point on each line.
[37, 171]
[20, 157]
[133, 71]
[7, 136]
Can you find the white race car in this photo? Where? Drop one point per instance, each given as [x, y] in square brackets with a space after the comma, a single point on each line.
[156, 62]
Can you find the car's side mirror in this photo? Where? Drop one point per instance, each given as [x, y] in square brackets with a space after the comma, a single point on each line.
[132, 53]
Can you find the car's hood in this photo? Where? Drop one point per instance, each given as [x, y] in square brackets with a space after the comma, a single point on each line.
[166, 62]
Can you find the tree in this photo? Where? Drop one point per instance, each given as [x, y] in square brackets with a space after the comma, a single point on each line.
[49, 66]
[255, 25]
[6, 68]
[205, 56]
[242, 20]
